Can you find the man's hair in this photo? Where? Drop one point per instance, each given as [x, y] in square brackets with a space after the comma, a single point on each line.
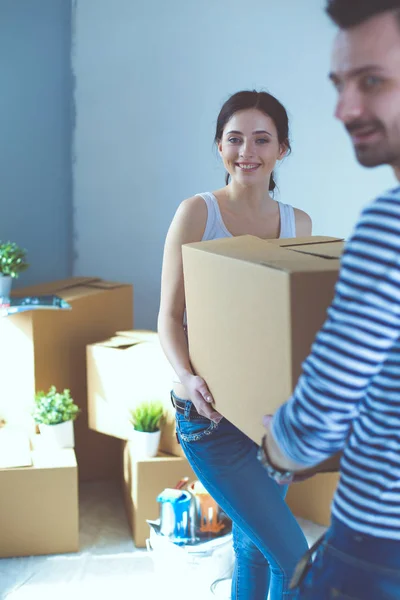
[348, 13]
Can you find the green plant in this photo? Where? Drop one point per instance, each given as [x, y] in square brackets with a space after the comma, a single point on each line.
[54, 407]
[12, 259]
[147, 416]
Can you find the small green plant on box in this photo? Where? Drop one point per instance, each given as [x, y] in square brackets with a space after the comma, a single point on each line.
[12, 259]
[54, 407]
[147, 416]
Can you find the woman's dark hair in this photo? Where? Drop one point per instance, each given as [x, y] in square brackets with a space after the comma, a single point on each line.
[349, 13]
[263, 102]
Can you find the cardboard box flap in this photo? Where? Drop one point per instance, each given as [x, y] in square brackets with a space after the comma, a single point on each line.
[120, 343]
[300, 262]
[142, 335]
[267, 253]
[304, 241]
[54, 287]
[105, 285]
[123, 340]
[88, 288]
[117, 343]
[245, 247]
[68, 289]
[312, 257]
[326, 250]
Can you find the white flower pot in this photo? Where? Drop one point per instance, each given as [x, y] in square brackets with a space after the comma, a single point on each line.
[5, 289]
[59, 436]
[145, 444]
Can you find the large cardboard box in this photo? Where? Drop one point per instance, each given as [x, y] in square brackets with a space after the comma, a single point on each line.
[122, 372]
[312, 499]
[39, 512]
[143, 481]
[45, 347]
[253, 309]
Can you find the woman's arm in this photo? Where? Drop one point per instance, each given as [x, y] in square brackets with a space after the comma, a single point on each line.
[187, 226]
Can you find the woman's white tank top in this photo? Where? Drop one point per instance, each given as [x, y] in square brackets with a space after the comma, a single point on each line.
[215, 227]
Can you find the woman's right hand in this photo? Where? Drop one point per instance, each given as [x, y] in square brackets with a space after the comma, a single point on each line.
[201, 397]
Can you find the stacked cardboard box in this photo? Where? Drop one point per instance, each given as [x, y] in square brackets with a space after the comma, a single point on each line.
[253, 309]
[124, 371]
[44, 347]
[41, 348]
[143, 481]
[39, 505]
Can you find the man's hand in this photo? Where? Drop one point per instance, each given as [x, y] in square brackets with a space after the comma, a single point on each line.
[280, 461]
[277, 458]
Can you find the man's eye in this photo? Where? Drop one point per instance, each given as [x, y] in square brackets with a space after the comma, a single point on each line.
[371, 82]
[338, 85]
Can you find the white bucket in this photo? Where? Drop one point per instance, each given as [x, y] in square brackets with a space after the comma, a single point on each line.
[202, 563]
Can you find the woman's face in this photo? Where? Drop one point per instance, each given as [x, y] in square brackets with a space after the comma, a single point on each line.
[249, 147]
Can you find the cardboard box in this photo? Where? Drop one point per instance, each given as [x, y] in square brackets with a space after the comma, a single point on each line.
[45, 347]
[143, 481]
[312, 499]
[15, 447]
[39, 511]
[124, 371]
[253, 309]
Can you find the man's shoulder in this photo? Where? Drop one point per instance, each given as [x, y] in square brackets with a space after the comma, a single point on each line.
[385, 206]
[390, 196]
[378, 228]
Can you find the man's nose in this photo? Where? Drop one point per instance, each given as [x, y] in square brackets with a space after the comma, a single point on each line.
[349, 106]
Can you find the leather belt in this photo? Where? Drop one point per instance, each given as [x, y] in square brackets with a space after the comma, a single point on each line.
[180, 407]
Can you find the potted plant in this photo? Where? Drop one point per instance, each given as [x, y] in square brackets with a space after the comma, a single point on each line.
[146, 419]
[12, 263]
[55, 412]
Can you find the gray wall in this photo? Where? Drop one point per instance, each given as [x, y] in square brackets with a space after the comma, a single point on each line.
[150, 79]
[35, 140]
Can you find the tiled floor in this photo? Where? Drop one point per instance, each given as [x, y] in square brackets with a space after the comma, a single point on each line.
[108, 565]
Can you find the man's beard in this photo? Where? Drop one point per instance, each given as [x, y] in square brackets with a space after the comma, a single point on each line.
[373, 154]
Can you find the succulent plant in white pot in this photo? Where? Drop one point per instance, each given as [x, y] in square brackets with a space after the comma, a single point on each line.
[146, 419]
[12, 263]
[55, 412]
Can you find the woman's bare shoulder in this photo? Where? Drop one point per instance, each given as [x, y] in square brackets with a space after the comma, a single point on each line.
[303, 223]
[191, 218]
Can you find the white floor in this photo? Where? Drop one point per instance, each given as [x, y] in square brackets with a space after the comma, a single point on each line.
[108, 565]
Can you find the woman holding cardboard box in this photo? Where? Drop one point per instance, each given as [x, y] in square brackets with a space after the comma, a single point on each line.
[252, 134]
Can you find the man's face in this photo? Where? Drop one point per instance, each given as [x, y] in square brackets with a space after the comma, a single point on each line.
[366, 74]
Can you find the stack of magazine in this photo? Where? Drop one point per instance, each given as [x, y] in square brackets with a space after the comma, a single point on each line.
[19, 305]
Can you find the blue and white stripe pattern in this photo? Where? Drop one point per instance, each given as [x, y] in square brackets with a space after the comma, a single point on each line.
[348, 396]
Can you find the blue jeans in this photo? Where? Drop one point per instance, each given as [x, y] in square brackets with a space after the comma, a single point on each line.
[353, 566]
[268, 542]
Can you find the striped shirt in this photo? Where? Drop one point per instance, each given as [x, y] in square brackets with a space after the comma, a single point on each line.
[348, 396]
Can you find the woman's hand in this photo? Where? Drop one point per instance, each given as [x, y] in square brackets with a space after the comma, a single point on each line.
[201, 397]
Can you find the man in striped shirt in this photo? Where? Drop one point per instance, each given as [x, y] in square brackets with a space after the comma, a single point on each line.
[348, 397]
